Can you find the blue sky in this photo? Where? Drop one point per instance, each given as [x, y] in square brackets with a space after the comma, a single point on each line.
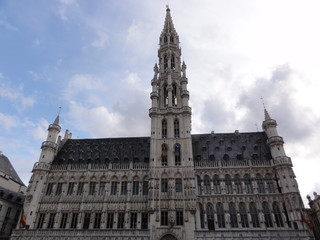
[95, 59]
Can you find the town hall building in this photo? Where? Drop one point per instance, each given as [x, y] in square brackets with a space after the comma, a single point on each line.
[171, 185]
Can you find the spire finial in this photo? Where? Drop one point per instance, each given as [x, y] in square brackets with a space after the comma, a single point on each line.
[264, 107]
[167, 7]
[266, 114]
[56, 121]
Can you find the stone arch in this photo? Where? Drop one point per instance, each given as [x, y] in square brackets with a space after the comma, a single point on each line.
[168, 237]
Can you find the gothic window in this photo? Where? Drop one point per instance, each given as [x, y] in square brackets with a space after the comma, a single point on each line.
[228, 183]
[74, 220]
[178, 184]
[267, 214]
[59, 189]
[164, 128]
[260, 183]
[64, 218]
[165, 95]
[135, 188]
[210, 216]
[174, 96]
[165, 39]
[199, 185]
[41, 220]
[165, 61]
[110, 220]
[164, 185]
[124, 185]
[207, 185]
[80, 188]
[173, 61]
[220, 215]
[101, 188]
[120, 220]
[238, 185]
[164, 218]
[49, 188]
[92, 188]
[176, 128]
[177, 154]
[179, 218]
[270, 185]
[164, 157]
[243, 215]
[248, 183]
[86, 221]
[144, 220]
[254, 215]
[171, 39]
[277, 214]
[201, 212]
[145, 188]
[51, 220]
[216, 184]
[97, 220]
[114, 188]
[233, 215]
[133, 220]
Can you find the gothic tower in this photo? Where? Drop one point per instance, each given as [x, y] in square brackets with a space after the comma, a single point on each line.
[172, 188]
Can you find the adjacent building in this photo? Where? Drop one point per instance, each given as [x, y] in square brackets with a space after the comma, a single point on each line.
[169, 185]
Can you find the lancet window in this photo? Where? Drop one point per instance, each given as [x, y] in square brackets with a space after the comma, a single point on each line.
[164, 155]
[220, 215]
[176, 128]
[243, 215]
[173, 64]
[174, 95]
[267, 214]
[277, 214]
[233, 215]
[207, 185]
[164, 128]
[210, 216]
[177, 154]
[254, 215]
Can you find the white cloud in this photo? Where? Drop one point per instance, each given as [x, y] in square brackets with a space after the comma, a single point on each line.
[40, 130]
[101, 41]
[7, 122]
[63, 8]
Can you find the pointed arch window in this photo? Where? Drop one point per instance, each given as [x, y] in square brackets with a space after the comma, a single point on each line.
[260, 184]
[177, 154]
[201, 215]
[173, 64]
[165, 95]
[174, 95]
[165, 62]
[277, 214]
[165, 39]
[207, 185]
[254, 215]
[270, 185]
[228, 183]
[220, 216]
[216, 184]
[243, 215]
[237, 183]
[210, 216]
[171, 39]
[248, 183]
[164, 128]
[233, 215]
[176, 128]
[164, 153]
[199, 185]
[267, 214]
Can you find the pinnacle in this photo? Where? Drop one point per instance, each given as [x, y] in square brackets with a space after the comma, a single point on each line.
[56, 121]
[168, 23]
[266, 115]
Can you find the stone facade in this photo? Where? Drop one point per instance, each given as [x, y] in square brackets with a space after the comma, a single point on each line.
[314, 215]
[171, 185]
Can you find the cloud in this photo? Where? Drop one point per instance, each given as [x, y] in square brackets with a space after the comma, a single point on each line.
[16, 95]
[40, 129]
[63, 8]
[8, 26]
[101, 41]
[7, 122]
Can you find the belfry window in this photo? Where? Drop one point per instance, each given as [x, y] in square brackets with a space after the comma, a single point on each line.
[171, 39]
[173, 65]
[165, 39]
[164, 153]
[164, 129]
[176, 128]
[165, 63]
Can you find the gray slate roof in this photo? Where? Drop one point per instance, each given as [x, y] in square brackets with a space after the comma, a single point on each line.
[6, 167]
[206, 147]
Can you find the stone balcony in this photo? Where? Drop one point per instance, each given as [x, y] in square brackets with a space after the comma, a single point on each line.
[48, 144]
[275, 140]
[41, 166]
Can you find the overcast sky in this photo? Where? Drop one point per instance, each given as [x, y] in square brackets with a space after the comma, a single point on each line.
[95, 59]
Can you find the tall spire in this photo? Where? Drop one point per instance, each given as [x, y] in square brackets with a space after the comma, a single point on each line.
[168, 23]
[56, 121]
[266, 115]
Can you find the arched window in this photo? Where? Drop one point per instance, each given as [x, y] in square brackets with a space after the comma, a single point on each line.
[270, 185]
[260, 183]
[174, 95]
[254, 215]
[164, 153]
[233, 215]
[199, 185]
[216, 184]
[201, 215]
[173, 64]
[277, 214]
[164, 128]
[171, 39]
[220, 215]
[165, 39]
[248, 183]
[243, 215]
[165, 95]
[228, 183]
[210, 216]
[237, 183]
[206, 183]
[176, 128]
[177, 154]
[267, 214]
[165, 62]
